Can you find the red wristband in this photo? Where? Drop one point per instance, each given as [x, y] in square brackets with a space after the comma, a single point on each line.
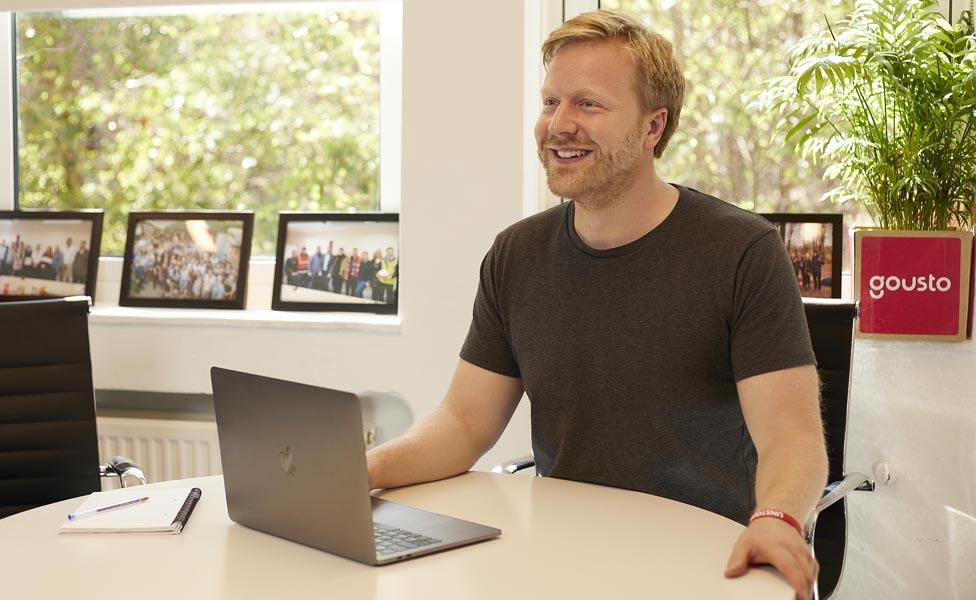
[777, 514]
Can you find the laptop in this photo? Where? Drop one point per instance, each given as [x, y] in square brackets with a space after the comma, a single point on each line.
[294, 464]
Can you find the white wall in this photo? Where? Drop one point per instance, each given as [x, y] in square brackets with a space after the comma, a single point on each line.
[461, 182]
[913, 405]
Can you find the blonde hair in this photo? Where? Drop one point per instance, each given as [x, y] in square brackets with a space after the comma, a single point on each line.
[659, 81]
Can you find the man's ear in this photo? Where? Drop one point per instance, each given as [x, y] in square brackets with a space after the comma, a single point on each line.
[657, 120]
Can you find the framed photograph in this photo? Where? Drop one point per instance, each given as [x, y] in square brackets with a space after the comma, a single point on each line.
[337, 262]
[49, 254]
[815, 243]
[186, 259]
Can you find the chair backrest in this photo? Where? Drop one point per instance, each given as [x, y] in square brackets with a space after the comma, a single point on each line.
[831, 324]
[48, 440]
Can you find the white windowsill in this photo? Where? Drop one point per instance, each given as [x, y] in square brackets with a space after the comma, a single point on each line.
[114, 315]
[257, 314]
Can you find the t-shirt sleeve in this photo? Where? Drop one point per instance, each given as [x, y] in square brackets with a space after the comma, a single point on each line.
[768, 328]
[487, 344]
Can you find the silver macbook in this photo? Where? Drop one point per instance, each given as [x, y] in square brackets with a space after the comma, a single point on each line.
[294, 466]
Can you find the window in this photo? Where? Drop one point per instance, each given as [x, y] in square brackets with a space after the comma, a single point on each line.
[219, 107]
[729, 48]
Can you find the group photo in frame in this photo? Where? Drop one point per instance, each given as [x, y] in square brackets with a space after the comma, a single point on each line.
[337, 262]
[49, 254]
[815, 244]
[186, 259]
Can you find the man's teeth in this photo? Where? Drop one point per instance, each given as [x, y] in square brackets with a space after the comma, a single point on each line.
[570, 153]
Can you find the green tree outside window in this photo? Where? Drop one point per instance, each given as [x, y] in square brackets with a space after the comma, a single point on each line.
[729, 49]
[261, 111]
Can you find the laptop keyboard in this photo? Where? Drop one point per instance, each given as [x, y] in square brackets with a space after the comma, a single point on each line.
[390, 540]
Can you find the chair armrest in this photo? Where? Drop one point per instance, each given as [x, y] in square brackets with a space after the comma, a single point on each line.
[835, 491]
[839, 489]
[128, 472]
[514, 466]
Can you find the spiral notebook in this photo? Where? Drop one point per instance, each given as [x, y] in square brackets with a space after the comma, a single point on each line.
[162, 511]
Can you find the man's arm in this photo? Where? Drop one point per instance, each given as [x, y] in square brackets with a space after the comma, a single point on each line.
[782, 412]
[452, 437]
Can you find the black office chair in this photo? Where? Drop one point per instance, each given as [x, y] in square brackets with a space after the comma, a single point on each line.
[48, 441]
[831, 323]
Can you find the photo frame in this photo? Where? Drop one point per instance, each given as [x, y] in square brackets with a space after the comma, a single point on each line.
[49, 254]
[315, 268]
[811, 239]
[187, 259]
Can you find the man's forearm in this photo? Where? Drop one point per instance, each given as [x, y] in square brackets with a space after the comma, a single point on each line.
[791, 476]
[436, 447]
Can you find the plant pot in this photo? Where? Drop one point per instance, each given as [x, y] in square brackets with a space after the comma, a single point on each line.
[914, 284]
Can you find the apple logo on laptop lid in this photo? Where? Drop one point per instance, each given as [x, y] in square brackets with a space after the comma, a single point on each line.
[287, 460]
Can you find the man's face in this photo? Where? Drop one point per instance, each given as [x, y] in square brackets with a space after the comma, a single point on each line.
[593, 138]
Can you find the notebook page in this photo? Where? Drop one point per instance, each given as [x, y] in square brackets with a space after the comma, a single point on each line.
[156, 514]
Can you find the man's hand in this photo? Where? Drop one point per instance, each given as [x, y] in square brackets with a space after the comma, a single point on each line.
[772, 542]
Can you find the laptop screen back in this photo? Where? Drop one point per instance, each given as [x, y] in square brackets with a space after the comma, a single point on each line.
[294, 462]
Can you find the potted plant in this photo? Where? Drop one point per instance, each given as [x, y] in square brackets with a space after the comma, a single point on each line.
[887, 99]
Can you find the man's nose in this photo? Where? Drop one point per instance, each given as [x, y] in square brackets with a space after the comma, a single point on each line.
[562, 121]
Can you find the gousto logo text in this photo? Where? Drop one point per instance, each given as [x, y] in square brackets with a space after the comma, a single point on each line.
[880, 284]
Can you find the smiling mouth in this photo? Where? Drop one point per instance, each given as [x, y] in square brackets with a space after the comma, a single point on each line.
[568, 157]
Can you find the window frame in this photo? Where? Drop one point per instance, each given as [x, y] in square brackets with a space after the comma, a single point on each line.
[390, 100]
[8, 153]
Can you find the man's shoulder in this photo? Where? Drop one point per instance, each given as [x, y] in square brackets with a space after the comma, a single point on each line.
[535, 229]
[723, 220]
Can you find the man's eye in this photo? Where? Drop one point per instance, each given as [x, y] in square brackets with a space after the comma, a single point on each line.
[550, 102]
[588, 104]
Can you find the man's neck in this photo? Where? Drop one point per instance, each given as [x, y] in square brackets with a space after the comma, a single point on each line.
[637, 211]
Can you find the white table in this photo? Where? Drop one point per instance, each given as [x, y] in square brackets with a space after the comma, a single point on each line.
[560, 539]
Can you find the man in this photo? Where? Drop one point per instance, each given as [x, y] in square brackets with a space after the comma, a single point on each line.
[291, 268]
[337, 270]
[694, 379]
[79, 266]
[303, 273]
[366, 274]
[351, 272]
[387, 276]
[27, 268]
[816, 266]
[4, 252]
[315, 266]
[69, 261]
[57, 261]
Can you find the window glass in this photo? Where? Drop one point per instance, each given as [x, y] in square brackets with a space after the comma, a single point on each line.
[729, 48]
[248, 107]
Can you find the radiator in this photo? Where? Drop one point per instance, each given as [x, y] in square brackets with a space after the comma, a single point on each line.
[165, 449]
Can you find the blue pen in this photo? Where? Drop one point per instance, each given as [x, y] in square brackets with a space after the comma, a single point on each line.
[95, 511]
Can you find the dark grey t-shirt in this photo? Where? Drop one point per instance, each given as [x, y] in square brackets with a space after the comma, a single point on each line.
[630, 356]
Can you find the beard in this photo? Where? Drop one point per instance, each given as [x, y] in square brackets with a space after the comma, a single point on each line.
[599, 184]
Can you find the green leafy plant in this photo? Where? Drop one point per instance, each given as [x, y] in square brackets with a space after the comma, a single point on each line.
[887, 98]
